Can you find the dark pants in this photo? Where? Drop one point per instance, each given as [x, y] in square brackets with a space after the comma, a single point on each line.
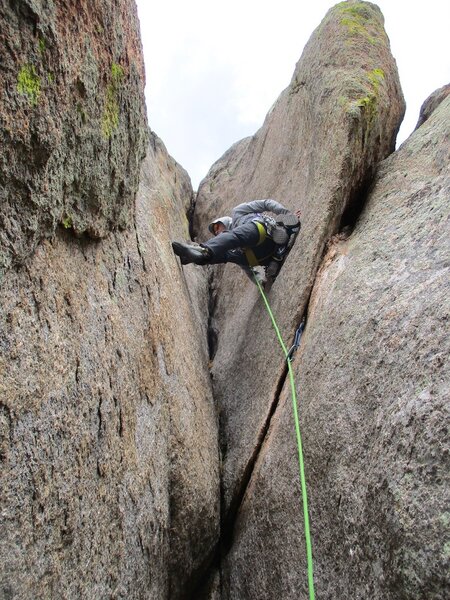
[228, 245]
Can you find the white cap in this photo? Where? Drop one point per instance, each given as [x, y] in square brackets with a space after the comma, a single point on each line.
[226, 221]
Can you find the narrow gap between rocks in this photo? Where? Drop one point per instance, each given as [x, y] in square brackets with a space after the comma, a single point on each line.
[228, 522]
[211, 330]
[355, 206]
[348, 220]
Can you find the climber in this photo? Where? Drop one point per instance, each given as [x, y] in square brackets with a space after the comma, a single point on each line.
[248, 238]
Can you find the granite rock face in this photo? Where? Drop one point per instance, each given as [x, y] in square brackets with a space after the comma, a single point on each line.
[118, 365]
[109, 439]
[372, 381]
[326, 132]
[431, 103]
[72, 120]
[318, 148]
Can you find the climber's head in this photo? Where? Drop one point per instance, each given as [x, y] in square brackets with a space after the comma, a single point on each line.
[219, 225]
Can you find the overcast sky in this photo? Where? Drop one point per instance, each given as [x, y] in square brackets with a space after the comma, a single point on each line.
[214, 69]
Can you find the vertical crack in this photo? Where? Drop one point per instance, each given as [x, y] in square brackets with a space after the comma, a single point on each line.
[211, 329]
[229, 520]
[355, 206]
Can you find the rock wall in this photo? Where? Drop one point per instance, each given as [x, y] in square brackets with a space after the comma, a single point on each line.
[431, 103]
[372, 382]
[316, 151]
[109, 437]
[72, 120]
[108, 430]
[110, 402]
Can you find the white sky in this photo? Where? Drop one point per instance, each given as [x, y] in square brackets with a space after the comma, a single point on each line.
[214, 69]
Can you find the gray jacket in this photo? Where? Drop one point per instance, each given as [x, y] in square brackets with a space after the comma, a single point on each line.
[247, 211]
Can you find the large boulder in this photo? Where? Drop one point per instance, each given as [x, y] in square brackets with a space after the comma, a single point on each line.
[110, 478]
[431, 103]
[372, 381]
[317, 150]
[72, 120]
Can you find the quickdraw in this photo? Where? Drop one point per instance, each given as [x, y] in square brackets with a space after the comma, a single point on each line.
[297, 338]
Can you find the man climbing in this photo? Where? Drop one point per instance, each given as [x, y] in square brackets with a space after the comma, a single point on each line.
[248, 238]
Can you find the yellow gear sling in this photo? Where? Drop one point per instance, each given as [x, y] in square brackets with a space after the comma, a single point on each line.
[250, 255]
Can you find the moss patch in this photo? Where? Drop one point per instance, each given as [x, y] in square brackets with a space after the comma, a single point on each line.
[67, 223]
[41, 45]
[360, 21]
[375, 78]
[362, 103]
[29, 84]
[110, 118]
[369, 101]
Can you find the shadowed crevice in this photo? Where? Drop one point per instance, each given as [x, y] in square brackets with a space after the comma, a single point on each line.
[229, 519]
[355, 206]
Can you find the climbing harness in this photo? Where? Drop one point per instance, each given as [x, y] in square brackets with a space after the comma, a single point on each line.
[250, 255]
[288, 355]
[284, 239]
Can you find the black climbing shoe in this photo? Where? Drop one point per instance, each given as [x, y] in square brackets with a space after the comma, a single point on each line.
[279, 235]
[281, 231]
[191, 254]
[288, 220]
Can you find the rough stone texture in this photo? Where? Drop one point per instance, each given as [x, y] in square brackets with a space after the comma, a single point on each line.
[373, 383]
[211, 590]
[72, 119]
[431, 103]
[319, 145]
[108, 430]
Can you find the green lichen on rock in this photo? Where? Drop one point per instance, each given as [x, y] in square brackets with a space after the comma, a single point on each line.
[116, 73]
[445, 518]
[358, 18]
[376, 77]
[29, 84]
[367, 102]
[356, 10]
[42, 45]
[110, 118]
[446, 550]
[67, 222]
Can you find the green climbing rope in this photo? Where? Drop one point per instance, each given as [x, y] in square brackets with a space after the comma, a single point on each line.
[309, 559]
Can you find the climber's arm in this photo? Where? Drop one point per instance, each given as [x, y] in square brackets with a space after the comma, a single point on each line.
[259, 206]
